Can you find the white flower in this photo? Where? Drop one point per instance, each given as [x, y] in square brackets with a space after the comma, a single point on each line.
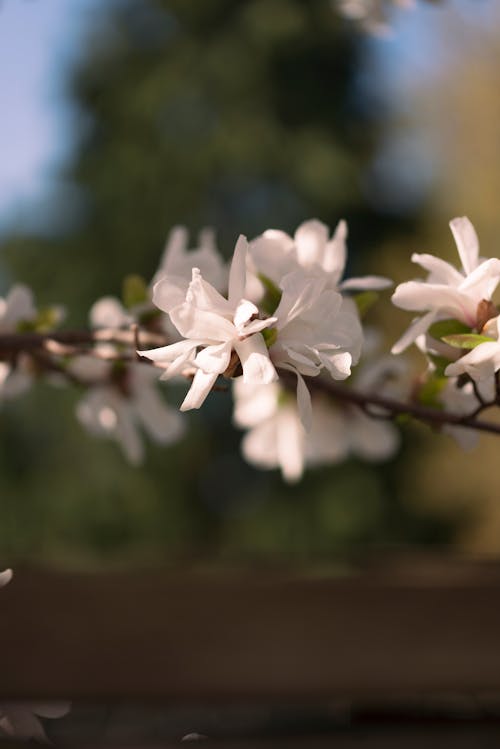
[277, 438]
[274, 254]
[123, 403]
[19, 719]
[16, 308]
[216, 326]
[172, 278]
[448, 292]
[316, 329]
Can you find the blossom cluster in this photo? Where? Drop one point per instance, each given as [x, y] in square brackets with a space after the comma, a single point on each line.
[283, 324]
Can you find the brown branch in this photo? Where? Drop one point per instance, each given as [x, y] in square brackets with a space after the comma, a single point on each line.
[394, 407]
[16, 342]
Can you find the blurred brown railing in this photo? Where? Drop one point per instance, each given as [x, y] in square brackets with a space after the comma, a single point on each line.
[419, 628]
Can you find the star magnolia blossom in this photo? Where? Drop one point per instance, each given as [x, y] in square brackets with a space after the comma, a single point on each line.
[17, 307]
[275, 254]
[316, 329]
[277, 438]
[213, 327]
[448, 292]
[117, 411]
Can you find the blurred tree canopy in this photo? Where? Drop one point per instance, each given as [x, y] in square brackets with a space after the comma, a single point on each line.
[238, 114]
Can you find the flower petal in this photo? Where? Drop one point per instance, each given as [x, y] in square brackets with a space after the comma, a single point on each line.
[238, 272]
[467, 242]
[254, 357]
[200, 388]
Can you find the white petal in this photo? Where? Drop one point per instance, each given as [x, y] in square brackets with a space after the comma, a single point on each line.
[193, 322]
[335, 255]
[244, 312]
[467, 242]
[480, 363]
[366, 283]
[254, 357]
[214, 359]
[418, 326]
[169, 291]
[163, 423]
[483, 281]
[440, 271]
[200, 388]
[290, 443]
[238, 272]
[310, 240]
[299, 294]
[171, 352]
[108, 312]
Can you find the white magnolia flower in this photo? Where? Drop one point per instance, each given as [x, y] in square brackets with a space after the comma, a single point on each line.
[171, 281]
[214, 327]
[274, 254]
[448, 292]
[316, 329]
[16, 308]
[277, 438]
[483, 361]
[121, 405]
[19, 720]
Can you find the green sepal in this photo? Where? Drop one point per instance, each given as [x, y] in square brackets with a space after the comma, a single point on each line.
[447, 327]
[467, 340]
[270, 335]
[272, 297]
[365, 300]
[134, 291]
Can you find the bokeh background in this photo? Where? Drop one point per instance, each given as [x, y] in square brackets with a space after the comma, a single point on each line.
[124, 118]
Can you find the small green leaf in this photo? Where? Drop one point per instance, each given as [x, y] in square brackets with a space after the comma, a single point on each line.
[447, 327]
[270, 335]
[47, 319]
[272, 297]
[365, 300]
[134, 291]
[466, 340]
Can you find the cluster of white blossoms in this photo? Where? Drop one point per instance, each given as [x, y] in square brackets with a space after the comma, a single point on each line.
[280, 321]
[287, 315]
[460, 329]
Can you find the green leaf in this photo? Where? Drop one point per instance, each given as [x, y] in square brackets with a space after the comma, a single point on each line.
[448, 327]
[134, 291]
[272, 297]
[466, 340]
[47, 319]
[365, 300]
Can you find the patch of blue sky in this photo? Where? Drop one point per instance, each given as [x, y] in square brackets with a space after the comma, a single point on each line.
[38, 40]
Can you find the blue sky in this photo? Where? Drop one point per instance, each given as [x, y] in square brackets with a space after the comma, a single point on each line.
[39, 39]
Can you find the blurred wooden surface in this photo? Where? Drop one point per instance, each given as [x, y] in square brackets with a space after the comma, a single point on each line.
[195, 638]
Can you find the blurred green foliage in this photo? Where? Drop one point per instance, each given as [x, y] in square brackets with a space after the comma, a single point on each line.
[242, 115]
